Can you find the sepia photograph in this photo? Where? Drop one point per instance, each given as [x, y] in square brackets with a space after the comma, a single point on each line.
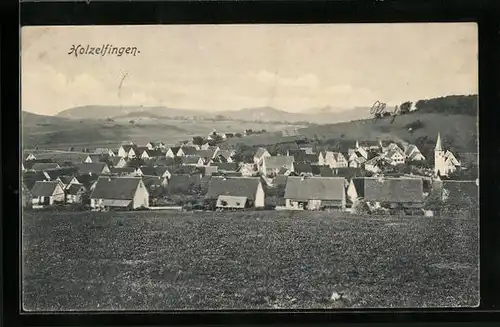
[249, 167]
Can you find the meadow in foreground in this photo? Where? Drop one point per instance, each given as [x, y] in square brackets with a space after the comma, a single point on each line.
[251, 260]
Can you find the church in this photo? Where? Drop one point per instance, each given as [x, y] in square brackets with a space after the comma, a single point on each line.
[445, 162]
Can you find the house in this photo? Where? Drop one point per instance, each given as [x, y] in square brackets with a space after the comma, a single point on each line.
[376, 164]
[145, 170]
[53, 174]
[63, 157]
[122, 171]
[29, 156]
[332, 159]
[445, 162]
[192, 161]
[151, 154]
[315, 193]
[248, 169]
[28, 164]
[41, 166]
[136, 151]
[155, 185]
[406, 193]
[47, 193]
[119, 192]
[259, 155]
[323, 171]
[247, 190]
[88, 181]
[302, 169]
[224, 156]
[30, 178]
[162, 171]
[226, 166]
[187, 151]
[105, 151]
[208, 146]
[208, 170]
[155, 145]
[75, 193]
[172, 152]
[356, 162]
[124, 150]
[308, 150]
[412, 153]
[394, 157]
[272, 164]
[92, 168]
[96, 158]
[118, 162]
[67, 181]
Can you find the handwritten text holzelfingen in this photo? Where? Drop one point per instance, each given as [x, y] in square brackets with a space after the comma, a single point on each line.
[102, 50]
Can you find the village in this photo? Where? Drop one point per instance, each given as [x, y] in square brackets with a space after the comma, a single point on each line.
[205, 173]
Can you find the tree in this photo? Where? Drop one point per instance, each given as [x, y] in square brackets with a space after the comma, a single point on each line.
[360, 207]
[434, 201]
[131, 122]
[405, 107]
[223, 203]
[198, 140]
[237, 135]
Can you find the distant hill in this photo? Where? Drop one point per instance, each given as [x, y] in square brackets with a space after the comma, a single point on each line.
[264, 114]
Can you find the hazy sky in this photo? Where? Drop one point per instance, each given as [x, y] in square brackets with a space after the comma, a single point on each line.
[225, 67]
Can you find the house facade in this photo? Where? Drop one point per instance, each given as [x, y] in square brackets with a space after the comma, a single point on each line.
[248, 190]
[75, 193]
[273, 164]
[315, 193]
[47, 193]
[119, 192]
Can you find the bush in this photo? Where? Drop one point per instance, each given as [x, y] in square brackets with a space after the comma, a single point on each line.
[360, 207]
[415, 125]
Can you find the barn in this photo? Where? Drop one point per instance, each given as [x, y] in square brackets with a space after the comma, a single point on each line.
[119, 192]
[315, 193]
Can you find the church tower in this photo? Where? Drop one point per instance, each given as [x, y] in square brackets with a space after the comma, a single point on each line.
[439, 160]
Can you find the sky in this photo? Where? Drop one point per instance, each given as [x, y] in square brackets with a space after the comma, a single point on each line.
[295, 67]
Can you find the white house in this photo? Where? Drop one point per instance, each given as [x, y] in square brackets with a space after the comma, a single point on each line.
[118, 162]
[248, 191]
[259, 155]
[332, 159]
[315, 193]
[47, 193]
[172, 152]
[445, 162]
[394, 157]
[119, 192]
[413, 153]
[151, 154]
[124, 150]
[273, 164]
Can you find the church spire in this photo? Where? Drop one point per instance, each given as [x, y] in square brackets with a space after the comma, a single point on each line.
[439, 145]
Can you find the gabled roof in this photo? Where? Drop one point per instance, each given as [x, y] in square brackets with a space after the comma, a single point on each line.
[66, 179]
[153, 153]
[390, 189]
[30, 178]
[64, 171]
[127, 147]
[87, 180]
[147, 170]
[226, 154]
[233, 186]
[44, 188]
[152, 181]
[260, 152]
[323, 171]
[315, 188]
[91, 168]
[40, 166]
[116, 188]
[175, 149]
[302, 168]
[122, 170]
[277, 162]
[75, 189]
[59, 157]
[190, 160]
[28, 164]
[226, 166]
[182, 182]
[115, 160]
[206, 154]
[189, 150]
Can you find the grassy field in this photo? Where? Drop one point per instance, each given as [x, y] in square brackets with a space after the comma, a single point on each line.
[259, 260]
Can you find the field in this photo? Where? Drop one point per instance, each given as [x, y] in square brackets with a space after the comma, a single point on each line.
[255, 260]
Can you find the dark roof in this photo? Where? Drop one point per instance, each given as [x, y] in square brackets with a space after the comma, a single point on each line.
[74, 157]
[468, 158]
[58, 172]
[189, 150]
[208, 170]
[152, 181]
[227, 173]
[190, 160]
[127, 147]
[116, 188]
[75, 189]
[93, 168]
[99, 157]
[44, 188]
[147, 170]
[280, 180]
[390, 189]
[40, 166]
[323, 171]
[153, 153]
[122, 170]
[226, 166]
[302, 168]
[66, 179]
[160, 170]
[260, 152]
[206, 153]
[276, 162]
[315, 188]
[28, 164]
[234, 186]
[175, 149]
[30, 178]
[226, 154]
[87, 180]
[115, 160]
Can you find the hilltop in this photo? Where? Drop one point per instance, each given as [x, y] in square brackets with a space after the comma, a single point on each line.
[259, 114]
